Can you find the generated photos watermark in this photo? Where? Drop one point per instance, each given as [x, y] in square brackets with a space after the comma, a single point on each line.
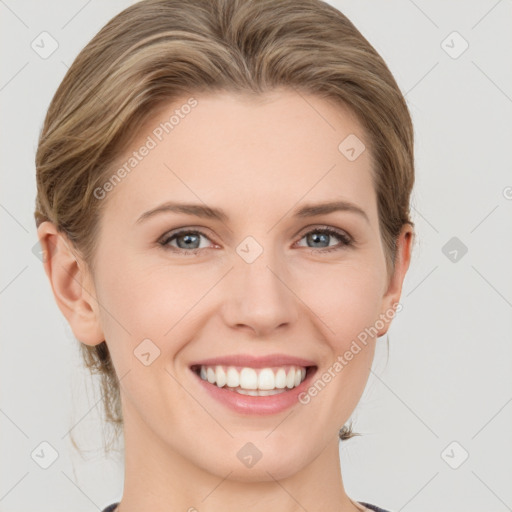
[151, 142]
[343, 359]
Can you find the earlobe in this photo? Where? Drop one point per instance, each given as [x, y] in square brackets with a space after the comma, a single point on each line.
[394, 290]
[75, 296]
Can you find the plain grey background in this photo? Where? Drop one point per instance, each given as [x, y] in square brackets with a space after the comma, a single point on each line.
[437, 417]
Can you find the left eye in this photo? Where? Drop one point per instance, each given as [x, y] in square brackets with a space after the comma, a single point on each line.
[185, 240]
[325, 234]
[189, 241]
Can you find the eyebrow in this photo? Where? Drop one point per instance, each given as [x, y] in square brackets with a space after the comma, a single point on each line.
[198, 210]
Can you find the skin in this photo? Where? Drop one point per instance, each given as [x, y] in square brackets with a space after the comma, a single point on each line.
[257, 159]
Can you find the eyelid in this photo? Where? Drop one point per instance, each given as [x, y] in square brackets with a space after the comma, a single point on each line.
[186, 229]
[326, 227]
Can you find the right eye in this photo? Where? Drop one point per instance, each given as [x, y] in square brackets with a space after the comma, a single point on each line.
[187, 241]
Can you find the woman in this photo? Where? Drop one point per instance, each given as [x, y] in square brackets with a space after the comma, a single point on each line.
[223, 199]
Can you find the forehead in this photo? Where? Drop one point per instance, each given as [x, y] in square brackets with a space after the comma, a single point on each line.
[262, 152]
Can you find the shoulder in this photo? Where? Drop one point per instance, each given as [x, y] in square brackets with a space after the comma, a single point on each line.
[110, 508]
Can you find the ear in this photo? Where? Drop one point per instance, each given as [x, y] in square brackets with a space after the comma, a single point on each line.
[71, 284]
[394, 287]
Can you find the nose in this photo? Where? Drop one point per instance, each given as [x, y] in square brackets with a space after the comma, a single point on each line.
[259, 296]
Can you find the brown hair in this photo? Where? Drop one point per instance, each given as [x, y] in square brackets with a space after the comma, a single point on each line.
[158, 50]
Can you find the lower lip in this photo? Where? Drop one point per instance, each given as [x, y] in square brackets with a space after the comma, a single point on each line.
[260, 405]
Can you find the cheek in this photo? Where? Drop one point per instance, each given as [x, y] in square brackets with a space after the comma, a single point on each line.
[143, 301]
[346, 303]
[145, 319]
[346, 298]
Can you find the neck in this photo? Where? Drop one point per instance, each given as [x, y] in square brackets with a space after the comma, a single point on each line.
[159, 479]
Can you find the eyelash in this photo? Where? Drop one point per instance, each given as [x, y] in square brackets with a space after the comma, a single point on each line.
[346, 241]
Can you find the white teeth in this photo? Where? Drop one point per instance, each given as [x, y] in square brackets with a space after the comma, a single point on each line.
[259, 392]
[248, 378]
[220, 376]
[266, 379]
[290, 378]
[233, 378]
[254, 382]
[280, 379]
[298, 377]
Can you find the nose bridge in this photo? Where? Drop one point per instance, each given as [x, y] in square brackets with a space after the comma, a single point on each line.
[260, 299]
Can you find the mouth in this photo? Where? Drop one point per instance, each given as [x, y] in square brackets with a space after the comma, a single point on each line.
[256, 382]
[254, 386]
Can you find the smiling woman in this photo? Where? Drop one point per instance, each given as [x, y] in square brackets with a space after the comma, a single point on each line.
[231, 284]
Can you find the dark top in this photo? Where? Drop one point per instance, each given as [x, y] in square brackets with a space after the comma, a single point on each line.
[111, 508]
[373, 507]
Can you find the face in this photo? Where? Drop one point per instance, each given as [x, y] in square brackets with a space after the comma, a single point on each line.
[250, 278]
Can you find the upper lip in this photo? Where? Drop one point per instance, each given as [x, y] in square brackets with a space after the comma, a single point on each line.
[250, 361]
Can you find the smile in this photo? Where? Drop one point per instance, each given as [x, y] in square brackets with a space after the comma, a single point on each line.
[253, 381]
[270, 386]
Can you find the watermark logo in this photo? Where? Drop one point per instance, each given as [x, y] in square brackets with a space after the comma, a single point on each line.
[351, 147]
[249, 249]
[249, 455]
[454, 45]
[454, 455]
[44, 455]
[454, 249]
[43, 254]
[44, 45]
[146, 352]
